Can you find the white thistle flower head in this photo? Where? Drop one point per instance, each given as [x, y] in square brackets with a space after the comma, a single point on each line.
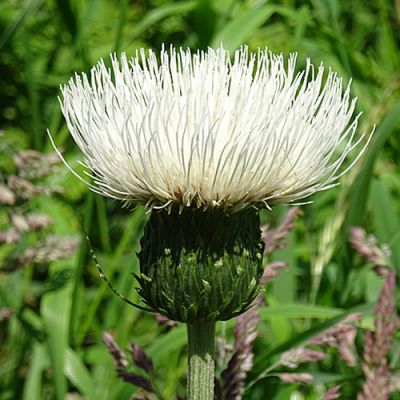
[202, 130]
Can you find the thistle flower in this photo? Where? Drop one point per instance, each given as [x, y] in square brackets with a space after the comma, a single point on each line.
[205, 141]
[199, 130]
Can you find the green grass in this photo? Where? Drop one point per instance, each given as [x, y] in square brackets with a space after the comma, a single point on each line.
[52, 344]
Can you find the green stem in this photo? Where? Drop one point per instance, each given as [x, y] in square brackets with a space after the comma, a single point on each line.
[201, 338]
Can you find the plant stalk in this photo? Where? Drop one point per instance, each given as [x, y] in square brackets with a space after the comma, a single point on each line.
[201, 338]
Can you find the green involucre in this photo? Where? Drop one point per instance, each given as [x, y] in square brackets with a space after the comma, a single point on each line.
[198, 266]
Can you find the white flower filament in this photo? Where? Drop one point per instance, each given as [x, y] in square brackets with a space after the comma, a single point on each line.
[199, 130]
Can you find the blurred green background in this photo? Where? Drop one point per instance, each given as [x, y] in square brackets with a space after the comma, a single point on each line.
[51, 347]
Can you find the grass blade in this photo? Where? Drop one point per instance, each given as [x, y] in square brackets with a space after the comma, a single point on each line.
[33, 383]
[360, 189]
[79, 375]
[240, 29]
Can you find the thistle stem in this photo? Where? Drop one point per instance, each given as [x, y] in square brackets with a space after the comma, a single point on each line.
[201, 338]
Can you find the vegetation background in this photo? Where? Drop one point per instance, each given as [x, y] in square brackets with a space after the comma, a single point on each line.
[51, 335]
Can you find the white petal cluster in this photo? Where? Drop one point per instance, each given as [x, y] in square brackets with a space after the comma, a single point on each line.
[204, 130]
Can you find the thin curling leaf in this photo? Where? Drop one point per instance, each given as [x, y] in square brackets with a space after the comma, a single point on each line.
[108, 283]
[202, 130]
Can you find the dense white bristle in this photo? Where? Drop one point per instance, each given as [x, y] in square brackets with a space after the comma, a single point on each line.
[202, 130]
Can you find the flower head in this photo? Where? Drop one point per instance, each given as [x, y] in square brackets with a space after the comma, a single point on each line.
[201, 130]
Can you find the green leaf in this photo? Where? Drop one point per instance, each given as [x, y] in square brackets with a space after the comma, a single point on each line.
[133, 224]
[26, 11]
[329, 377]
[240, 29]
[33, 383]
[388, 48]
[360, 189]
[78, 374]
[68, 16]
[64, 216]
[204, 20]
[299, 311]
[174, 340]
[157, 14]
[385, 219]
[284, 286]
[55, 309]
[263, 360]
[56, 306]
